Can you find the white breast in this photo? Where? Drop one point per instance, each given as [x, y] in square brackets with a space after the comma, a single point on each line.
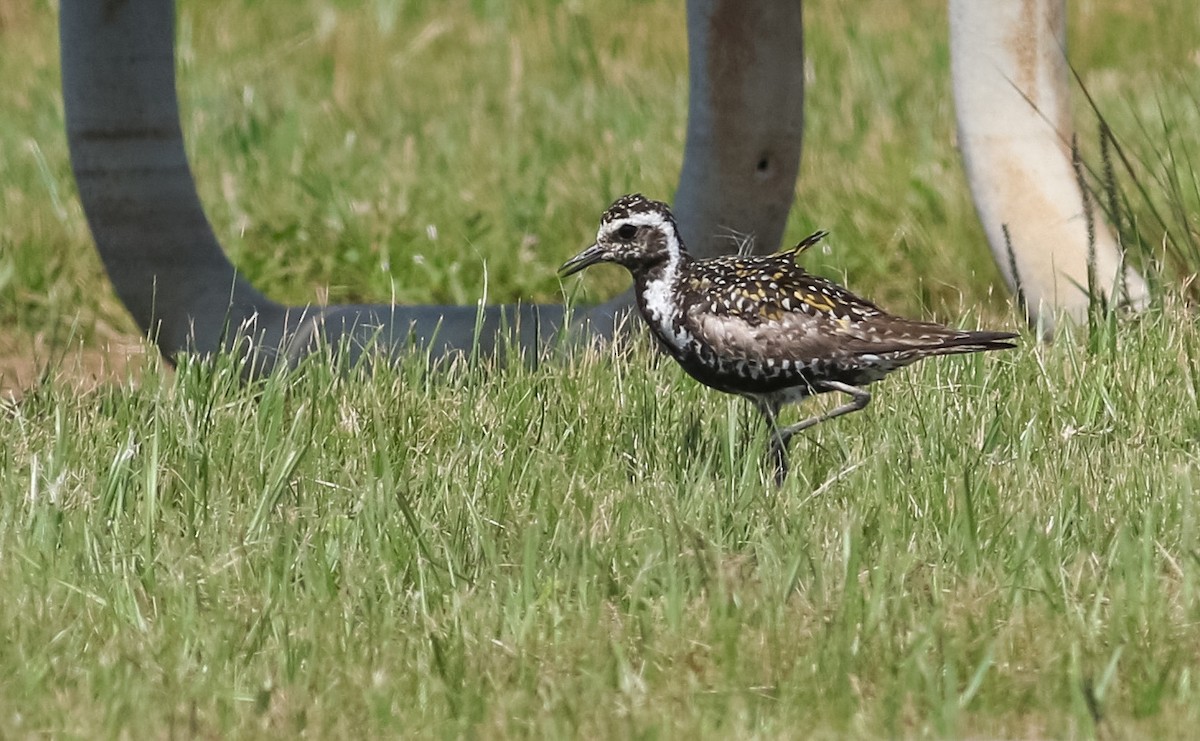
[662, 311]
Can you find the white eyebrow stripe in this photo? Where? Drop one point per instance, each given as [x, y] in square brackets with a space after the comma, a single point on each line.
[641, 218]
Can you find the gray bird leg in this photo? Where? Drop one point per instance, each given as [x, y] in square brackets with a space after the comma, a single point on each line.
[860, 397]
[781, 438]
[777, 453]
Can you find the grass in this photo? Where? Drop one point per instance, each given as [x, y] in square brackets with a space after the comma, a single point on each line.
[998, 546]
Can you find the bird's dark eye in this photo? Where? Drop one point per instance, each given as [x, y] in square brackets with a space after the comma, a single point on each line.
[627, 231]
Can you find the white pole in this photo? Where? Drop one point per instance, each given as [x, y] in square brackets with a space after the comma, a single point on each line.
[1011, 85]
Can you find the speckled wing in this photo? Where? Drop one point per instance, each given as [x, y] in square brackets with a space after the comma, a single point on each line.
[758, 308]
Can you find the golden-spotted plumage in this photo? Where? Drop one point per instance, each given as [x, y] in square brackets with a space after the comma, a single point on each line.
[769, 288]
[762, 326]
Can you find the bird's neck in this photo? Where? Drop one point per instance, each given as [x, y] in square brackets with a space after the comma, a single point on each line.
[657, 289]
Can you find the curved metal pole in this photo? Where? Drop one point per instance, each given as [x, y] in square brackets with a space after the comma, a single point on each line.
[127, 153]
[743, 148]
[1011, 82]
[157, 246]
[745, 127]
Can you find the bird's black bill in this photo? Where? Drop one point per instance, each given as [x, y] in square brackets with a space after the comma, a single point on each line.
[590, 256]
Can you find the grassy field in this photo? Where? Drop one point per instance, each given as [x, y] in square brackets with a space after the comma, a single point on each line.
[998, 546]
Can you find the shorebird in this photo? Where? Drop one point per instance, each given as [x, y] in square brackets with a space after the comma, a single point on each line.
[763, 327]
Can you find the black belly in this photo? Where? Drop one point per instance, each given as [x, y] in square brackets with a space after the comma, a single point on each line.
[740, 377]
[757, 377]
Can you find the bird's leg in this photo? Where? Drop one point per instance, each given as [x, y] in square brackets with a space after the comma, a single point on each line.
[859, 398]
[778, 453]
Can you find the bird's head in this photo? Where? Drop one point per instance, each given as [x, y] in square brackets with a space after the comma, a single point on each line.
[636, 233]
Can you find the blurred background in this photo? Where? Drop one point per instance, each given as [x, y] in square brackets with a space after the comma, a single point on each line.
[424, 152]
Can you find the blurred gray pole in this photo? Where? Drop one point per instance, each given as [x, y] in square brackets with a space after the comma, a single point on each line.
[127, 154]
[745, 123]
[745, 127]
[156, 243]
[170, 271]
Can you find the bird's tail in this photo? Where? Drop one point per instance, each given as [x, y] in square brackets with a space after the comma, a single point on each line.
[966, 342]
